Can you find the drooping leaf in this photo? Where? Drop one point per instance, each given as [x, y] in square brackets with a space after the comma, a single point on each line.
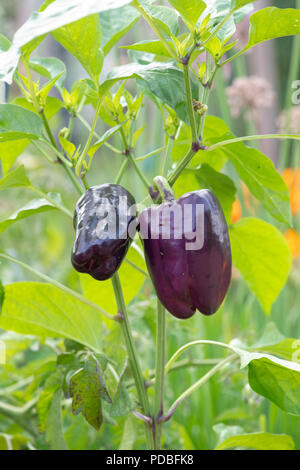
[36, 206]
[262, 256]
[45, 310]
[87, 388]
[18, 123]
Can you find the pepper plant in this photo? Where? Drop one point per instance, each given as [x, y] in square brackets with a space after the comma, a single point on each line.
[175, 68]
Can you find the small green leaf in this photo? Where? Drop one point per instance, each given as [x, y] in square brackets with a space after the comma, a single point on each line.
[54, 428]
[18, 123]
[106, 136]
[49, 67]
[262, 256]
[87, 387]
[121, 404]
[155, 47]
[115, 24]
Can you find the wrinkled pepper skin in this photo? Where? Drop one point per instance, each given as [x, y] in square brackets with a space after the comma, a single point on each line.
[95, 251]
[186, 280]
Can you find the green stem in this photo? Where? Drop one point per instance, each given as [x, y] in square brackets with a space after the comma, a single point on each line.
[133, 161]
[180, 167]
[189, 100]
[190, 345]
[133, 356]
[122, 171]
[252, 137]
[86, 124]
[167, 157]
[196, 386]
[42, 151]
[151, 154]
[217, 29]
[64, 288]
[159, 373]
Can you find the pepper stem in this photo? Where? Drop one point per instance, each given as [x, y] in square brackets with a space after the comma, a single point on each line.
[164, 189]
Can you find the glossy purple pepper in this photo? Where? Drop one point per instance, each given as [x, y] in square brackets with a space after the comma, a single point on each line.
[102, 218]
[194, 278]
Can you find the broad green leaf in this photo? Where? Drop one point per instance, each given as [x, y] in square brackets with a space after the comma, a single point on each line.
[49, 67]
[18, 123]
[83, 39]
[288, 348]
[36, 206]
[190, 10]
[132, 280]
[271, 23]
[262, 256]
[52, 384]
[115, 24]
[87, 388]
[164, 18]
[57, 14]
[129, 434]
[258, 441]
[107, 135]
[42, 309]
[9, 152]
[164, 80]
[259, 174]
[220, 184]
[15, 179]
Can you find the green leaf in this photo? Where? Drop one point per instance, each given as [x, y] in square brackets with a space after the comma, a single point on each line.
[15, 179]
[262, 256]
[9, 152]
[115, 24]
[49, 67]
[4, 43]
[220, 184]
[190, 10]
[271, 23]
[259, 441]
[164, 80]
[54, 428]
[259, 174]
[87, 387]
[107, 135]
[45, 310]
[18, 123]
[36, 206]
[50, 387]
[58, 14]
[164, 18]
[155, 47]
[132, 280]
[121, 404]
[83, 39]
[51, 107]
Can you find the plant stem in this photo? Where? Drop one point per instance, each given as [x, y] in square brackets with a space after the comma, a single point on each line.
[59, 285]
[86, 124]
[122, 171]
[151, 154]
[252, 137]
[159, 373]
[91, 134]
[189, 100]
[180, 167]
[167, 156]
[133, 161]
[196, 385]
[133, 356]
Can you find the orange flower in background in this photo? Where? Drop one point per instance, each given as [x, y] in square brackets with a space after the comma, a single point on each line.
[291, 177]
[236, 211]
[293, 240]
